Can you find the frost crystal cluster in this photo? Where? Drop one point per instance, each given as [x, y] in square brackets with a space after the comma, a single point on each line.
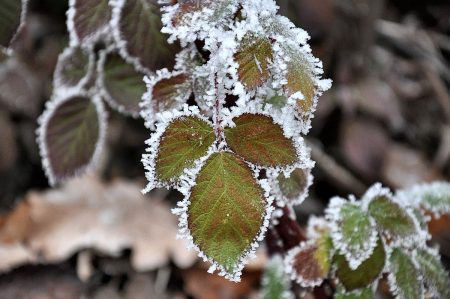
[229, 120]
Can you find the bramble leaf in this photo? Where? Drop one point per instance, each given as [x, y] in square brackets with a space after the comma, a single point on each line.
[138, 31]
[122, 86]
[71, 134]
[391, 218]
[365, 274]
[217, 11]
[354, 234]
[300, 79]
[434, 274]
[167, 92]
[74, 67]
[259, 140]
[275, 284]
[226, 211]
[184, 141]
[404, 280]
[253, 58]
[10, 19]
[88, 20]
[437, 197]
[310, 263]
[366, 293]
[294, 185]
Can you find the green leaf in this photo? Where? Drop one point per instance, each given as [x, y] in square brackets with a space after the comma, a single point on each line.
[366, 293]
[436, 277]
[10, 20]
[226, 211]
[275, 284]
[139, 32]
[365, 274]
[70, 134]
[354, 233]
[253, 57]
[294, 185]
[434, 197]
[258, 140]
[88, 20]
[300, 79]
[184, 141]
[310, 263]
[405, 279]
[391, 218]
[122, 86]
[74, 68]
[168, 92]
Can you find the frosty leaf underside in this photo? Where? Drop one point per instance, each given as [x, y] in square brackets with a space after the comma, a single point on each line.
[122, 85]
[139, 31]
[70, 134]
[88, 19]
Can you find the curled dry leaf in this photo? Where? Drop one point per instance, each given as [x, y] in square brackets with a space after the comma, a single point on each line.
[52, 226]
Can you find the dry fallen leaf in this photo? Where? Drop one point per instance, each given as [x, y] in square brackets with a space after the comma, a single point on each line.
[85, 213]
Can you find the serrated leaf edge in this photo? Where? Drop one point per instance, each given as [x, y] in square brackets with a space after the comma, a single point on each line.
[280, 198]
[418, 238]
[289, 131]
[100, 83]
[392, 282]
[289, 265]
[187, 182]
[164, 120]
[44, 119]
[333, 215]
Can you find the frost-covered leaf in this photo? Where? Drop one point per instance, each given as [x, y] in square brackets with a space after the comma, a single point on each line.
[167, 92]
[253, 58]
[434, 197]
[404, 278]
[12, 13]
[365, 274]
[121, 85]
[137, 29]
[194, 15]
[226, 211]
[71, 135]
[294, 185]
[354, 234]
[88, 20]
[309, 263]
[391, 218]
[276, 101]
[74, 68]
[435, 275]
[275, 284]
[366, 293]
[259, 140]
[184, 141]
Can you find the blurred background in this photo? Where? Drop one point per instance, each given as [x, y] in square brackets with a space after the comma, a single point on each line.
[386, 119]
